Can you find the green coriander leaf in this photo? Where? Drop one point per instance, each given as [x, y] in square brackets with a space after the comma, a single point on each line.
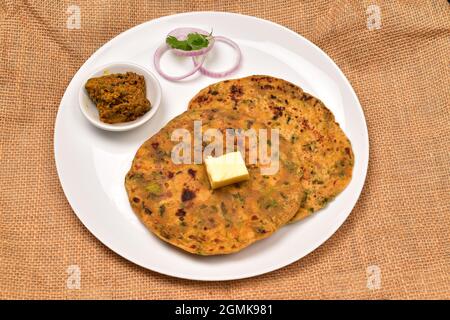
[194, 41]
[177, 44]
[197, 41]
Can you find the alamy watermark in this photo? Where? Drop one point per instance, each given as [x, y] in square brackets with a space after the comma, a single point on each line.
[73, 281]
[374, 17]
[74, 19]
[373, 274]
[211, 143]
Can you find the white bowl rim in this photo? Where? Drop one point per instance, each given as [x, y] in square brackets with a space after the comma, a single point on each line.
[124, 126]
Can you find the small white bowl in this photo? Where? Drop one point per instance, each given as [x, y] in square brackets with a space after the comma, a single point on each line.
[153, 91]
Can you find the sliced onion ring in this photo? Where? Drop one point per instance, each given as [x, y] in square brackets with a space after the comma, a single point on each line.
[213, 74]
[157, 59]
[182, 33]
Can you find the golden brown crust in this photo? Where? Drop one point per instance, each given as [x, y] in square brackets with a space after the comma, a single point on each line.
[321, 146]
[176, 203]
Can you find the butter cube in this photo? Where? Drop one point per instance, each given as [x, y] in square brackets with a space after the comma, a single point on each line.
[226, 169]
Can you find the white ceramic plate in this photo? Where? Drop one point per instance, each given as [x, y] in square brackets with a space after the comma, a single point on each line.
[92, 163]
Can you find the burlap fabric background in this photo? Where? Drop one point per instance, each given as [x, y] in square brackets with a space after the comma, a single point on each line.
[400, 224]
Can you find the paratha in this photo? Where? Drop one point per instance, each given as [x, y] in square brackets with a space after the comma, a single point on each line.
[324, 151]
[176, 202]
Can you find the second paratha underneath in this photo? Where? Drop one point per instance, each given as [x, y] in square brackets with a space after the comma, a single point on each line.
[322, 148]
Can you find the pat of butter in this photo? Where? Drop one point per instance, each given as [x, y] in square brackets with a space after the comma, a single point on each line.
[226, 169]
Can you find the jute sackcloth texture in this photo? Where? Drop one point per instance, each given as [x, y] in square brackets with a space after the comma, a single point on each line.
[400, 225]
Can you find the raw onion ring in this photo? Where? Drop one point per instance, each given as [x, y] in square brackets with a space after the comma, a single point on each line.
[157, 59]
[181, 34]
[213, 74]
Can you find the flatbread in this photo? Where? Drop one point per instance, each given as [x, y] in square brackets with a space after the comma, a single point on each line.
[321, 146]
[176, 202]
